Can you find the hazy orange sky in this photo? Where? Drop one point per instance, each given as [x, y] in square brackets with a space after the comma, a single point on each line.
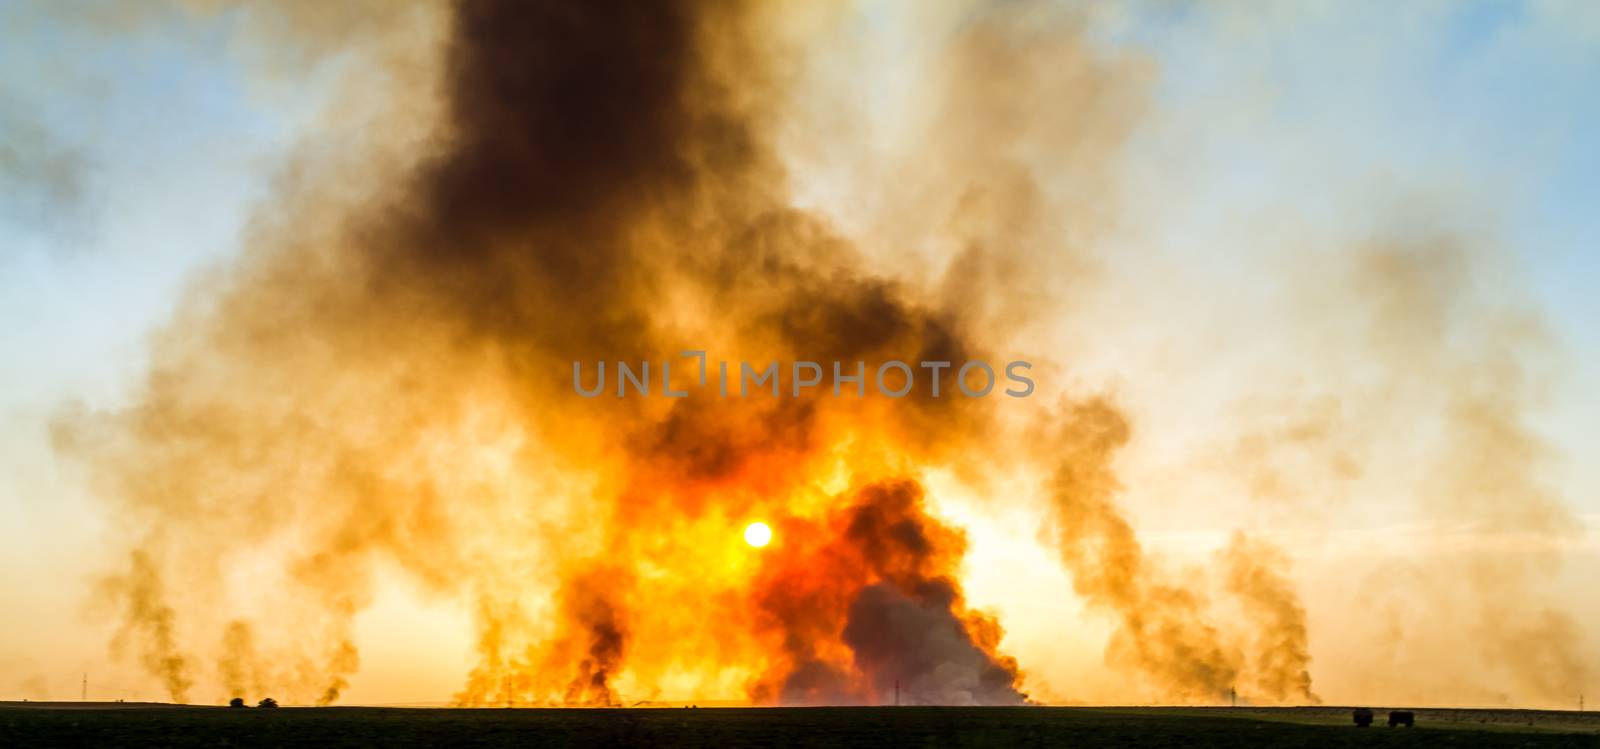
[1332, 263]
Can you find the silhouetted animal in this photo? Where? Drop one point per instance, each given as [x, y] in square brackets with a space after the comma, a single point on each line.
[1362, 717]
[1402, 718]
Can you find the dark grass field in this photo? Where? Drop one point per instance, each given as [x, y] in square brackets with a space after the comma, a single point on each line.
[35, 724]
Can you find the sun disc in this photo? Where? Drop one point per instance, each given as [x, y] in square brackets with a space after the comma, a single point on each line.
[757, 534]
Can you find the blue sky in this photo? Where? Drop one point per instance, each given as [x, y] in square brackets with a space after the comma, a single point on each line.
[1275, 124]
[170, 145]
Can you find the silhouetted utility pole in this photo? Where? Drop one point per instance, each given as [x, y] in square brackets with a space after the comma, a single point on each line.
[84, 697]
[897, 693]
[1233, 697]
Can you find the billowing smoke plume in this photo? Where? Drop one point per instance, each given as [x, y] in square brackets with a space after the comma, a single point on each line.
[148, 627]
[1280, 656]
[1162, 629]
[385, 379]
[881, 580]
[239, 665]
[1165, 623]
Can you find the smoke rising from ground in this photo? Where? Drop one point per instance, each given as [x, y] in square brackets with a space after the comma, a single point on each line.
[383, 380]
[148, 626]
[1280, 657]
[882, 585]
[594, 165]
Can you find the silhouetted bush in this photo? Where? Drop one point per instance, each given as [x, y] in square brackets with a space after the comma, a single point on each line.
[268, 702]
[236, 702]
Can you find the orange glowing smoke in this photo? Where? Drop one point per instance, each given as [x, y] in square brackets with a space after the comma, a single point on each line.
[834, 612]
[874, 598]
